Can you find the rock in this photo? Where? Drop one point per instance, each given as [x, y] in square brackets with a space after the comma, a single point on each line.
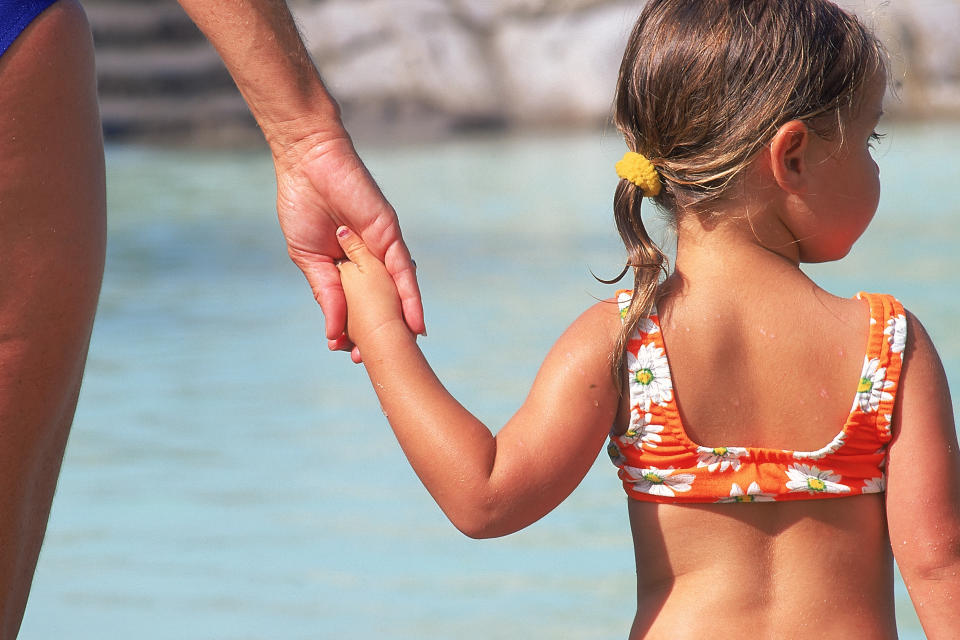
[384, 64]
[561, 68]
[469, 64]
[547, 62]
[423, 67]
[921, 37]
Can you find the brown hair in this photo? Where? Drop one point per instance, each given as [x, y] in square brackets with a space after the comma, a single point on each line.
[704, 86]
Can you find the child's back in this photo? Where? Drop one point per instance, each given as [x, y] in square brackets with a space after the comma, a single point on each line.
[761, 357]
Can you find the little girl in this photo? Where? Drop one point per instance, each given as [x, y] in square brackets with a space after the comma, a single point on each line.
[734, 378]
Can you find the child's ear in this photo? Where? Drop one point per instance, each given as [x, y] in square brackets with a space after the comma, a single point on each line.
[788, 156]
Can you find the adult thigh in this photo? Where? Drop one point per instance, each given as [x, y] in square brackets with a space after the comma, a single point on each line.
[52, 235]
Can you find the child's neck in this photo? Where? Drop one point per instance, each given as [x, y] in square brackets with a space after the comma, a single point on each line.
[743, 247]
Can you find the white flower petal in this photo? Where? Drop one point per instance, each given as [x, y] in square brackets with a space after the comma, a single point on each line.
[660, 490]
[896, 332]
[875, 485]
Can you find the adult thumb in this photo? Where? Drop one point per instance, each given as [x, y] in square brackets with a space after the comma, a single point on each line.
[352, 245]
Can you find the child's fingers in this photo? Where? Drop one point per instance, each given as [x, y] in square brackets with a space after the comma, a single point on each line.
[353, 246]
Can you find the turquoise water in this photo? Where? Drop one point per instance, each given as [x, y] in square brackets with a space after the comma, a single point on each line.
[227, 478]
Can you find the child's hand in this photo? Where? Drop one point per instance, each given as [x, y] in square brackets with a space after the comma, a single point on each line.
[372, 299]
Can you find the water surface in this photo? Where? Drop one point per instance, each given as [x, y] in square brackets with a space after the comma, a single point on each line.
[227, 478]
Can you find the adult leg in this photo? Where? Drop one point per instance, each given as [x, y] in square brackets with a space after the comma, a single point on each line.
[52, 238]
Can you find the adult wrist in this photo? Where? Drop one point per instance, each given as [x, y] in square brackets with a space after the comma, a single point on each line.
[314, 121]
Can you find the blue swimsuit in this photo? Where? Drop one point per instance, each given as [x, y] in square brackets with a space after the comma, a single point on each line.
[15, 15]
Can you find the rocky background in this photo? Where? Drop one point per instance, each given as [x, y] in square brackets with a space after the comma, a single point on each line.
[433, 67]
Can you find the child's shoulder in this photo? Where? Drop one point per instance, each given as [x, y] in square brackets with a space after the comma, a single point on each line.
[602, 319]
[592, 337]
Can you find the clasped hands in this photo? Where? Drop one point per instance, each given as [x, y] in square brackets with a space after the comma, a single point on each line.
[323, 186]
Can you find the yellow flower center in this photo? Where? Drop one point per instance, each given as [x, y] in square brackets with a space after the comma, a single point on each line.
[652, 478]
[866, 384]
[816, 484]
[644, 376]
[613, 451]
[722, 451]
[744, 499]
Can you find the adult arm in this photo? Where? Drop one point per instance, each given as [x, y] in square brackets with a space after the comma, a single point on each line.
[487, 485]
[321, 182]
[923, 487]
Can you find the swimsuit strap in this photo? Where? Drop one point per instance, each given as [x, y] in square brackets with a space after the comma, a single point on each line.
[880, 377]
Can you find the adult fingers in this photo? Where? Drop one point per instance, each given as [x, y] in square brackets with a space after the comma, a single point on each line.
[409, 290]
[404, 272]
[340, 343]
[343, 343]
[324, 280]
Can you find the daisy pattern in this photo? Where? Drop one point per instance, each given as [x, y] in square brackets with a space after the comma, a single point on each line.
[896, 333]
[884, 422]
[642, 432]
[873, 387]
[722, 458]
[831, 448]
[813, 480]
[875, 485]
[659, 482]
[616, 457]
[753, 494]
[646, 326]
[649, 376]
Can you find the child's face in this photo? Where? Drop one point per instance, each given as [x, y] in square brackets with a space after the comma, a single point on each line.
[847, 181]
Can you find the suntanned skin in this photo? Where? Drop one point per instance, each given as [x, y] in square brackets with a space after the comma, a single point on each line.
[321, 182]
[760, 356]
[52, 238]
[52, 229]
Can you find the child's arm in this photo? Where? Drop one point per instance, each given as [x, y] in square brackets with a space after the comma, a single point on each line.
[487, 485]
[923, 488]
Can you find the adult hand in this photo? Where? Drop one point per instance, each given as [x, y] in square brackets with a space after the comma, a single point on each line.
[321, 185]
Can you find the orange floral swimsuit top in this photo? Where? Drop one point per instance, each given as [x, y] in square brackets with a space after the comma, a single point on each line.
[659, 463]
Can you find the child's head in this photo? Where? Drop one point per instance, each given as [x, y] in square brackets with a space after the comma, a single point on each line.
[705, 85]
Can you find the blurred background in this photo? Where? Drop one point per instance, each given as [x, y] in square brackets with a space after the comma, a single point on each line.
[409, 68]
[228, 478]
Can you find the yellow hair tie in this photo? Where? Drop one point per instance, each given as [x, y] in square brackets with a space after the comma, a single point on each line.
[637, 169]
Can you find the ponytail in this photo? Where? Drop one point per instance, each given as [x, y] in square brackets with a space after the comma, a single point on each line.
[646, 259]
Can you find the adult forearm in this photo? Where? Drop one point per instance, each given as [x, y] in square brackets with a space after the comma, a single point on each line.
[263, 51]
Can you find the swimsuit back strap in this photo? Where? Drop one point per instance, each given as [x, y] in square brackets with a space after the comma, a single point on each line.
[884, 360]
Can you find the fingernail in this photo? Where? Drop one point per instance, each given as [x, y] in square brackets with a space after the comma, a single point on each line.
[343, 232]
